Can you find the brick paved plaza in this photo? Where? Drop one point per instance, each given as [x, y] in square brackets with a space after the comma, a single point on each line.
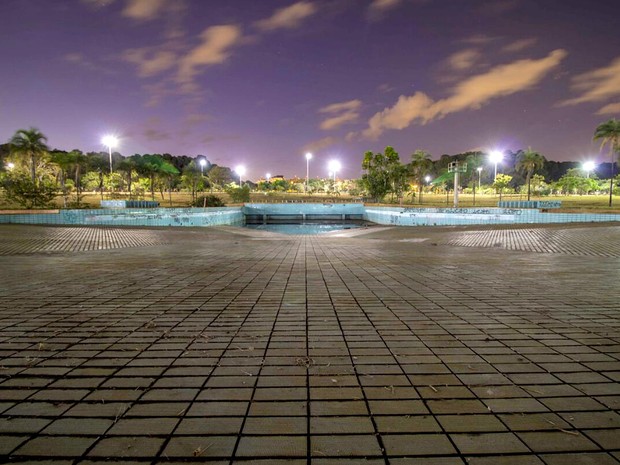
[422, 346]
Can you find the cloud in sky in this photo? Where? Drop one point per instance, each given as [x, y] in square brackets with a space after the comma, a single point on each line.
[143, 9]
[340, 113]
[519, 45]
[463, 60]
[596, 86]
[215, 48]
[321, 144]
[470, 94]
[150, 62]
[289, 17]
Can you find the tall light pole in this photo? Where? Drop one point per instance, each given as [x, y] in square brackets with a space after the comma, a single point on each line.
[496, 157]
[268, 176]
[308, 158]
[202, 164]
[479, 176]
[587, 167]
[334, 166]
[240, 170]
[111, 142]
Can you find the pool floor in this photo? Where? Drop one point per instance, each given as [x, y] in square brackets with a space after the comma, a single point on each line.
[303, 229]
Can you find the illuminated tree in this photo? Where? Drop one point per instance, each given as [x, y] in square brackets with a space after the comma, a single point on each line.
[528, 162]
[609, 134]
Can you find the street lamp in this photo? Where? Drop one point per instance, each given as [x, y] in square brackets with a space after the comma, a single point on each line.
[479, 176]
[202, 163]
[496, 157]
[587, 167]
[10, 165]
[427, 178]
[308, 158]
[268, 176]
[240, 170]
[334, 166]
[111, 142]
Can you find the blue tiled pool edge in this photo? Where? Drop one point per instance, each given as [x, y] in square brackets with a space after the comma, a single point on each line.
[398, 216]
[234, 216]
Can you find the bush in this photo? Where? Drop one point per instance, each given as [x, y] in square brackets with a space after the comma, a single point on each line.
[20, 189]
[208, 201]
[239, 194]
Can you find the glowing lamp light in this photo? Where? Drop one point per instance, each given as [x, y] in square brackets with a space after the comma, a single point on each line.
[110, 142]
[334, 166]
[588, 166]
[496, 157]
[240, 170]
[308, 156]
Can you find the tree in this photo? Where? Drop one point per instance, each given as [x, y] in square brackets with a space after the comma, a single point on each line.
[502, 181]
[31, 145]
[420, 165]
[528, 162]
[192, 178]
[219, 176]
[382, 173]
[609, 134]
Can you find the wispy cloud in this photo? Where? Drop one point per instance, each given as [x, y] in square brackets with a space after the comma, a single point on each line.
[519, 45]
[463, 60]
[596, 86]
[150, 62]
[143, 9]
[215, 48]
[470, 94]
[341, 113]
[289, 17]
[321, 144]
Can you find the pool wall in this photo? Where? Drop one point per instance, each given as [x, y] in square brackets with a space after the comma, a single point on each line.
[463, 216]
[134, 217]
[235, 216]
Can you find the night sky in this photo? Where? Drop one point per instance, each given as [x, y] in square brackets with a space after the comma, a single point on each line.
[260, 82]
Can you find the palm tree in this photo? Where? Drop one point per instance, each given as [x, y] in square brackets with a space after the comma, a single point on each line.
[30, 144]
[609, 133]
[529, 161]
[420, 165]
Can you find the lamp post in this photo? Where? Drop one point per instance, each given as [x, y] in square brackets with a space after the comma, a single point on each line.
[202, 164]
[268, 176]
[10, 165]
[110, 141]
[240, 170]
[308, 158]
[479, 176]
[334, 166]
[496, 157]
[587, 167]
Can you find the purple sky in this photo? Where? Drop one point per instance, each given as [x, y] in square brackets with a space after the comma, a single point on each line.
[260, 82]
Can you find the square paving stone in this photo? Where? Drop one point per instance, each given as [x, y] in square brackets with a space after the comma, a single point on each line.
[506, 460]
[272, 446]
[418, 444]
[143, 426]
[55, 445]
[556, 441]
[275, 425]
[200, 446]
[608, 439]
[8, 443]
[79, 426]
[209, 426]
[579, 459]
[407, 424]
[339, 425]
[470, 423]
[488, 443]
[127, 447]
[345, 445]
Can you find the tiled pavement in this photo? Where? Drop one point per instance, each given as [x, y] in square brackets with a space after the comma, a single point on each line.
[395, 346]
